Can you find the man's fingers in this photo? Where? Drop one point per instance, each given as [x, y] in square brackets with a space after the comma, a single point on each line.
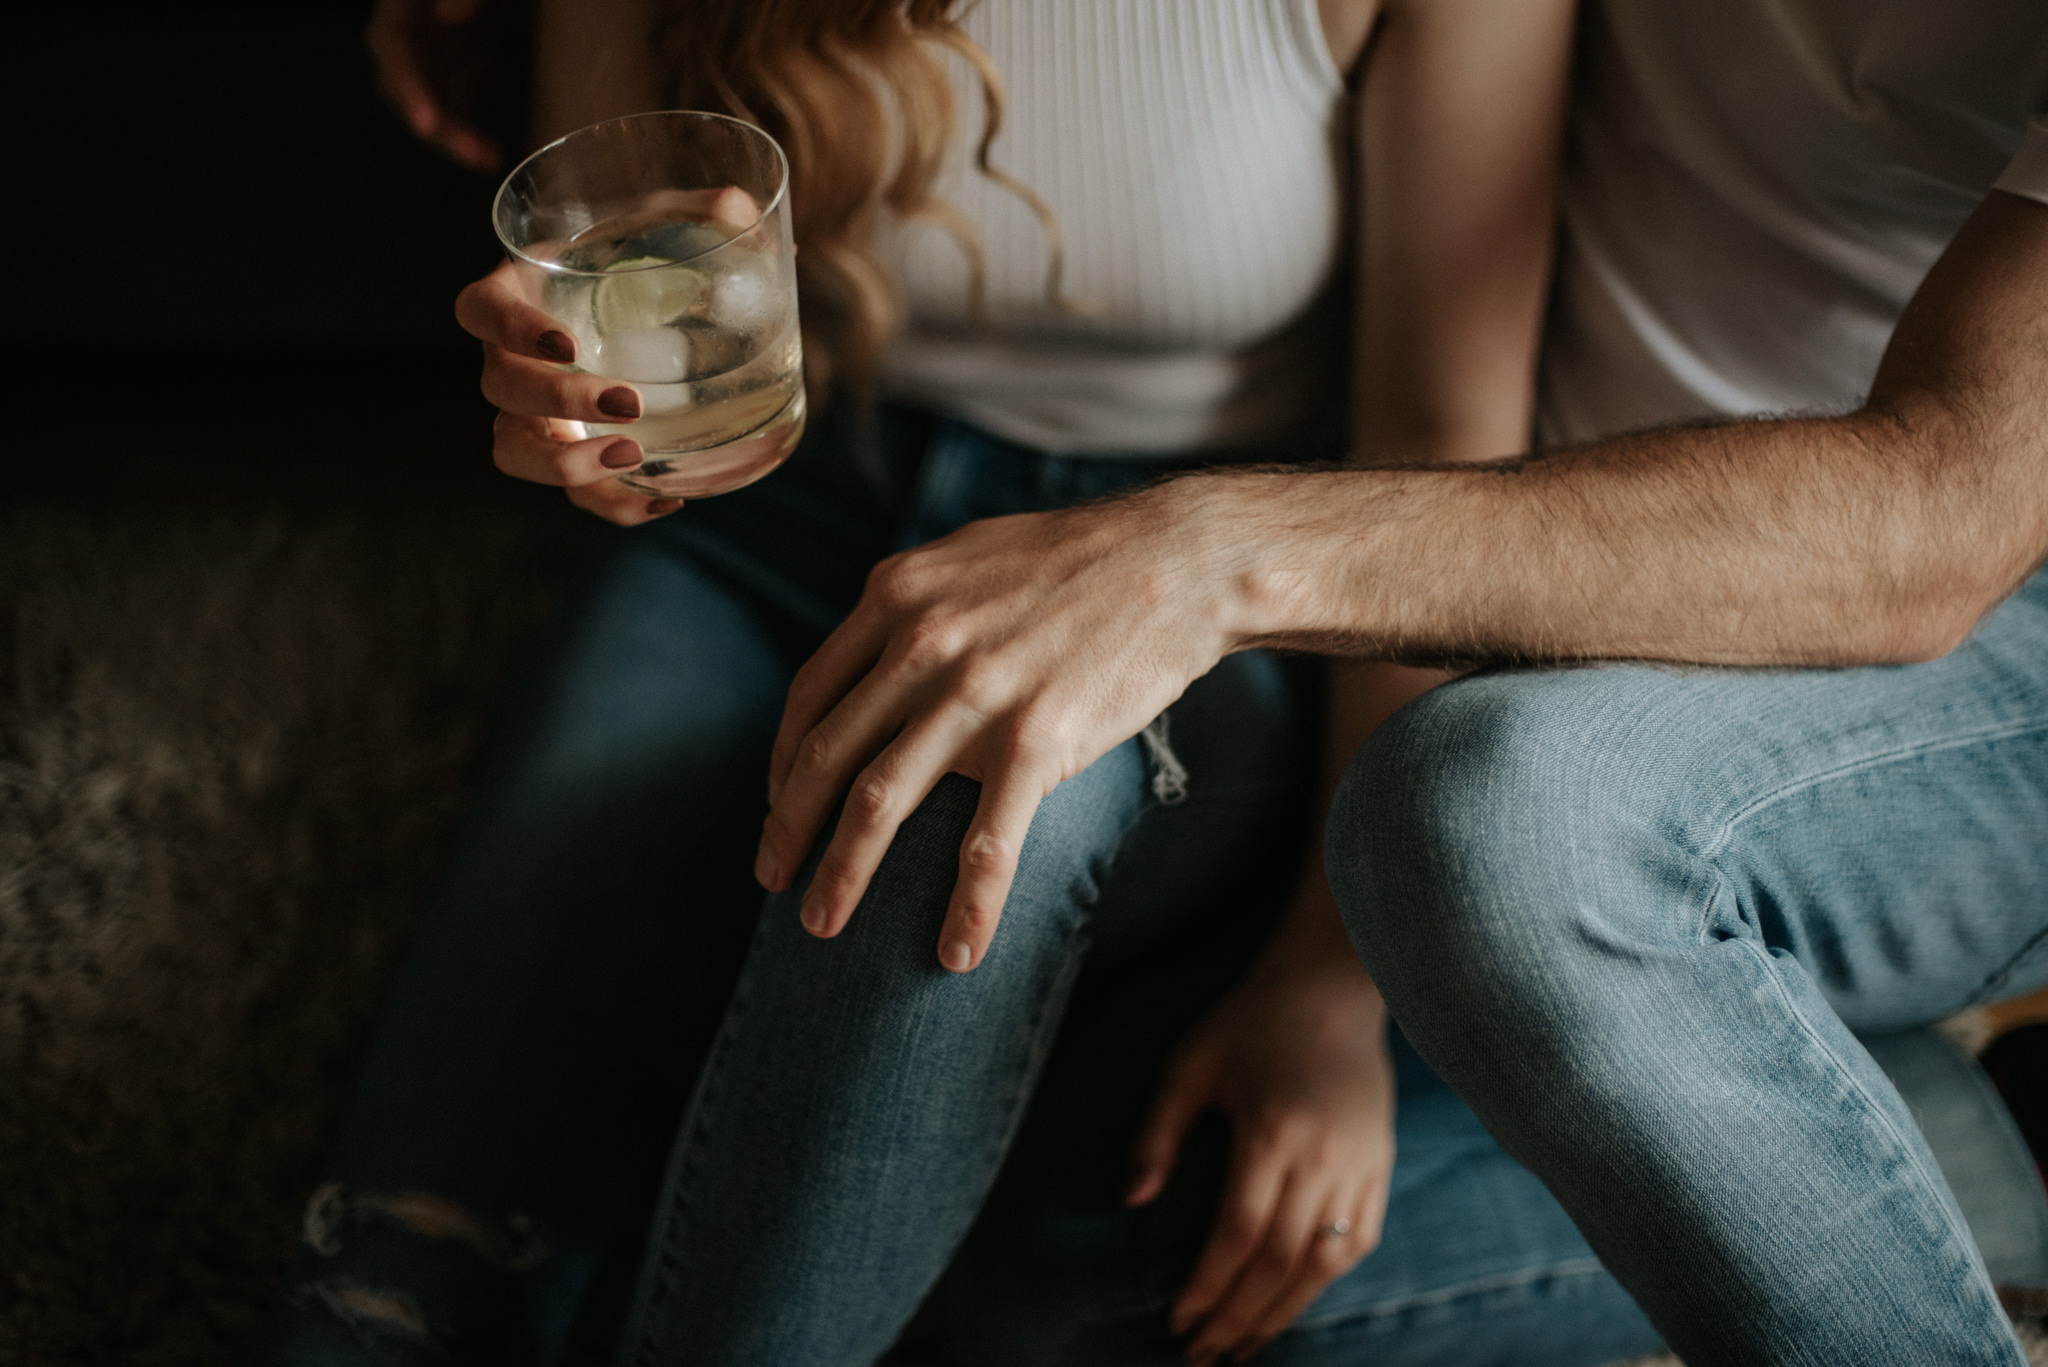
[879, 798]
[499, 309]
[1183, 1092]
[542, 451]
[1243, 1218]
[820, 685]
[828, 753]
[1264, 1275]
[988, 865]
[520, 384]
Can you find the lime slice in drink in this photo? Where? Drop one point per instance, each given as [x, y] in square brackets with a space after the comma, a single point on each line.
[643, 298]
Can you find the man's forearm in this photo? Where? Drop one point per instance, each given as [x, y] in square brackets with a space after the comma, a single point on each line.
[1875, 537]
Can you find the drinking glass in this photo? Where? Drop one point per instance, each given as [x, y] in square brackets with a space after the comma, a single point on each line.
[662, 243]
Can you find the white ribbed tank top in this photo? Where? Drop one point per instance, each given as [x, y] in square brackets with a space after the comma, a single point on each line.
[1193, 153]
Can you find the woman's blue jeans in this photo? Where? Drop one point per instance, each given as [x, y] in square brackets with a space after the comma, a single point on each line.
[599, 982]
[1638, 917]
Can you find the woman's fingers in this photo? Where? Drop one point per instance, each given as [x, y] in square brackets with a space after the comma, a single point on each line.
[541, 451]
[395, 38]
[1244, 1217]
[1184, 1092]
[520, 384]
[616, 503]
[1330, 1255]
[390, 41]
[545, 451]
[499, 309]
[1266, 1272]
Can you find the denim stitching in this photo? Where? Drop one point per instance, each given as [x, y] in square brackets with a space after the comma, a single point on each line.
[1576, 1267]
[648, 1322]
[1727, 831]
[1959, 1236]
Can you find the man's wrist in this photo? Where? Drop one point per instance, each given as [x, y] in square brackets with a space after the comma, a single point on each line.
[1257, 555]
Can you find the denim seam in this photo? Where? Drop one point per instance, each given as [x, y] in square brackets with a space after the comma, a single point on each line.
[653, 1301]
[1959, 1235]
[1727, 830]
[1577, 1267]
[1988, 990]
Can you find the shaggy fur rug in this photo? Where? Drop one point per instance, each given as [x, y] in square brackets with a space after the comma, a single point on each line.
[232, 750]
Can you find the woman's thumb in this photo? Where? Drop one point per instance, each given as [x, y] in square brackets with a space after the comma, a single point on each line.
[1182, 1095]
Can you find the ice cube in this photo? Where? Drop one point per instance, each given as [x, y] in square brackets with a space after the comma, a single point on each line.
[743, 296]
[652, 355]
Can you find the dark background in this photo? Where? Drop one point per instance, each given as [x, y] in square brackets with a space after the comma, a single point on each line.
[234, 266]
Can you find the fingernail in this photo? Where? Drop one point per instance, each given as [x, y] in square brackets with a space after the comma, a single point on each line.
[813, 915]
[764, 869]
[619, 455]
[556, 346]
[662, 507]
[956, 956]
[619, 402]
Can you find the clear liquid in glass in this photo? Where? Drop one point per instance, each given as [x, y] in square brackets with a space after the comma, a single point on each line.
[709, 338]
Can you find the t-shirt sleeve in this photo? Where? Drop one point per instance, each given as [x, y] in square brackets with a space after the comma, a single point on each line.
[2027, 173]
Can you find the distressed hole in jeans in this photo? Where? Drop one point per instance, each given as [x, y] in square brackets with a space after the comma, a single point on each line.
[363, 1307]
[516, 1247]
[1169, 775]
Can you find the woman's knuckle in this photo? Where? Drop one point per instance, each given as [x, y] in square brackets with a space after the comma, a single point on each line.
[1272, 1259]
[565, 394]
[1239, 1227]
[1330, 1257]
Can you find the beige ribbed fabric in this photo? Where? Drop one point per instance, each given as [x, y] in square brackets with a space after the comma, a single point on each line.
[1193, 153]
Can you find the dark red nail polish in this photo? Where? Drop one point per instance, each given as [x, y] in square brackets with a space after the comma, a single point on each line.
[619, 402]
[557, 346]
[619, 455]
[661, 507]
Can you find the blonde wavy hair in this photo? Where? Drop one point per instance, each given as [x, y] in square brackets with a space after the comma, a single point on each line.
[855, 92]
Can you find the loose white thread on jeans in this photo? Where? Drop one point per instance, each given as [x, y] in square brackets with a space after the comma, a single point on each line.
[1170, 777]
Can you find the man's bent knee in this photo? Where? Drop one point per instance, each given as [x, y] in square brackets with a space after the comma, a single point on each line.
[1473, 837]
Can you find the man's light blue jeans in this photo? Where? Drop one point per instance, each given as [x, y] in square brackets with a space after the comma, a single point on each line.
[1638, 918]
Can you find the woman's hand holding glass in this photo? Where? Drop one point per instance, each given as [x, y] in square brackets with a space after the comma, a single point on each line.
[542, 404]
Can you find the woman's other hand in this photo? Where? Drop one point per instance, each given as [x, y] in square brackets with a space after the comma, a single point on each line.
[1298, 1062]
[542, 404]
[426, 52]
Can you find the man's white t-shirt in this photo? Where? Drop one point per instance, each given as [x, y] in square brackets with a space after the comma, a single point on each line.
[1754, 188]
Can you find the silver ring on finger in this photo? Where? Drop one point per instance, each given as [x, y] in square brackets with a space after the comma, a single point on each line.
[1337, 1228]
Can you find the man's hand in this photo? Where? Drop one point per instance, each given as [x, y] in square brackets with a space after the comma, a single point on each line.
[1015, 651]
[1299, 1063]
